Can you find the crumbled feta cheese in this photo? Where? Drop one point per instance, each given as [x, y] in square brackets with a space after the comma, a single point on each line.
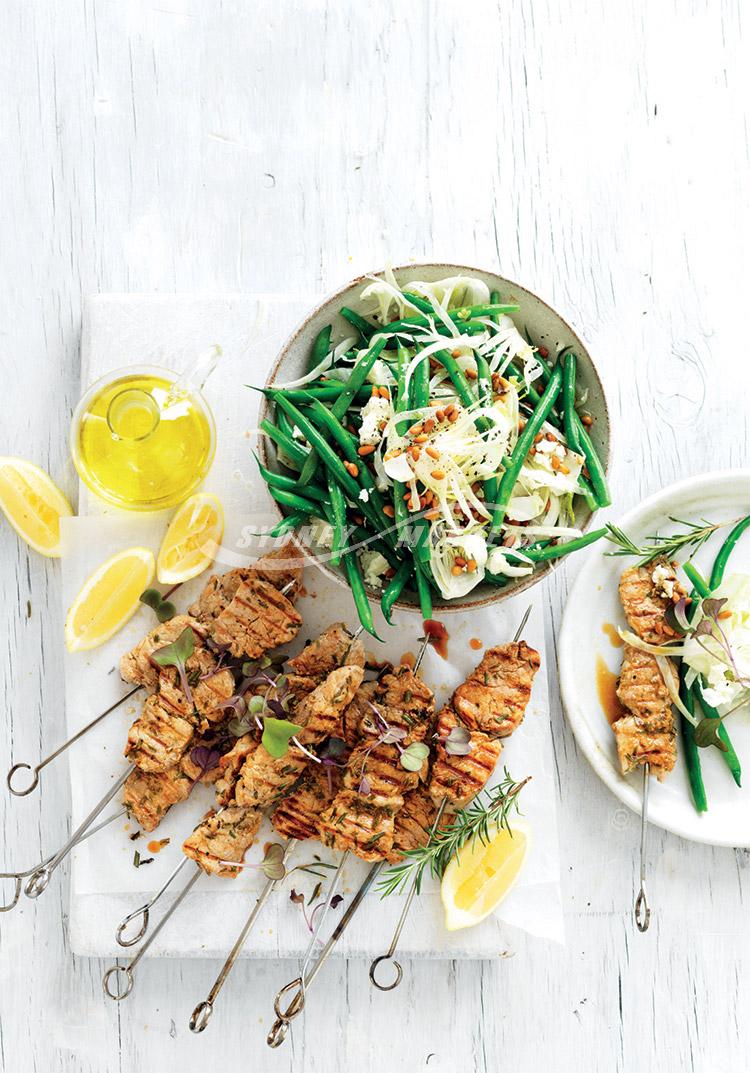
[322, 532]
[375, 411]
[550, 447]
[664, 579]
[364, 495]
[381, 374]
[374, 565]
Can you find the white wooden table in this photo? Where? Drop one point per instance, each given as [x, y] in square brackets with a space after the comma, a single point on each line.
[597, 152]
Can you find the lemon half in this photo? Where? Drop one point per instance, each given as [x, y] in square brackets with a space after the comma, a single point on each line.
[108, 599]
[33, 504]
[482, 875]
[192, 540]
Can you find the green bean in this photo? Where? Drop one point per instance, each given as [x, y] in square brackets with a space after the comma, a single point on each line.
[324, 419]
[359, 593]
[554, 551]
[484, 391]
[320, 347]
[338, 508]
[289, 484]
[360, 372]
[297, 503]
[419, 398]
[720, 564]
[327, 392]
[423, 588]
[317, 441]
[293, 450]
[460, 316]
[400, 403]
[593, 463]
[393, 590]
[691, 752]
[365, 329]
[422, 304]
[522, 448]
[569, 403]
[291, 521]
[697, 580]
[730, 756]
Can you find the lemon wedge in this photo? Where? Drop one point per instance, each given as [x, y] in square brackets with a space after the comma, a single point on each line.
[108, 599]
[192, 540]
[482, 875]
[33, 504]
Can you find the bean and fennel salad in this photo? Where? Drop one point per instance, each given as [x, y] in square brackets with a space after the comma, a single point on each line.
[434, 447]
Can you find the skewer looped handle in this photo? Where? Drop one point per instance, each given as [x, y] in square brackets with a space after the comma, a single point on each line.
[374, 969]
[114, 974]
[145, 911]
[16, 791]
[36, 771]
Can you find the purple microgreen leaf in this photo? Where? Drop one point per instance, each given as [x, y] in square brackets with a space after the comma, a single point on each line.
[336, 901]
[204, 758]
[239, 727]
[712, 607]
[393, 734]
[364, 786]
[296, 897]
[458, 742]
[333, 749]
[704, 628]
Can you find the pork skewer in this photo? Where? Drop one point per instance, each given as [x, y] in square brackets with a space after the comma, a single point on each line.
[214, 845]
[246, 612]
[454, 782]
[281, 567]
[646, 734]
[313, 663]
[390, 953]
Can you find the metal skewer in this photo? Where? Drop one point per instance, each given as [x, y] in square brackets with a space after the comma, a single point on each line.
[20, 876]
[642, 910]
[41, 875]
[389, 955]
[145, 910]
[203, 1011]
[35, 771]
[280, 1027]
[128, 971]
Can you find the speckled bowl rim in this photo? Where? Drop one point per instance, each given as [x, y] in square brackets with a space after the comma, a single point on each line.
[524, 583]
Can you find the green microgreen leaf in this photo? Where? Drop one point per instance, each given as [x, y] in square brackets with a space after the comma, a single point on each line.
[707, 734]
[151, 598]
[272, 864]
[178, 653]
[277, 734]
[414, 756]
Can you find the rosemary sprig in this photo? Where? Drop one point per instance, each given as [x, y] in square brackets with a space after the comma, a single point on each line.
[670, 545]
[485, 814]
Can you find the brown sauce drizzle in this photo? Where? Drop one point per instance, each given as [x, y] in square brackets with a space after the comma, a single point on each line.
[606, 688]
[438, 636]
[610, 631]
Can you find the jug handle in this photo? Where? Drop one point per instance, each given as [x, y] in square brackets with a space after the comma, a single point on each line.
[196, 374]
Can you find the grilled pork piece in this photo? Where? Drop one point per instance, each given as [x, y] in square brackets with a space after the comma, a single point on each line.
[298, 814]
[648, 734]
[645, 593]
[277, 569]
[320, 712]
[333, 648]
[229, 767]
[258, 619]
[459, 778]
[263, 778]
[282, 567]
[413, 824]
[223, 836]
[136, 665]
[494, 697]
[362, 824]
[158, 739]
[149, 796]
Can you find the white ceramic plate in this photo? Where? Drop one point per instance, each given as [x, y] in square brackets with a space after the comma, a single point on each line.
[593, 603]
